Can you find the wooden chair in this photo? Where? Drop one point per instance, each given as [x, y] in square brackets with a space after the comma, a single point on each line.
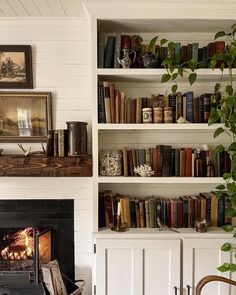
[209, 279]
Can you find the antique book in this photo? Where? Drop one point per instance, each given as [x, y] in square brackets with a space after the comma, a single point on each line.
[133, 110]
[189, 106]
[55, 143]
[101, 49]
[62, 142]
[133, 213]
[117, 50]
[138, 219]
[128, 110]
[172, 103]
[122, 107]
[160, 149]
[109, 52]
[155, 162]
[117, 106]
[179, 105]
[177, 162]
[196, 109]
[113, 103]
[188, 162]
[166, 161]
[109, 216]
[125, 161]
[147, 213]
[130, 163]
[101, 104]
[107, 101]
[139, 110]
[141, 210]
[182, 169]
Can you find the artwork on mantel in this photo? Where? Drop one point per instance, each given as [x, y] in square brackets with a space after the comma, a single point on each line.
[25, 116]
[16, 66]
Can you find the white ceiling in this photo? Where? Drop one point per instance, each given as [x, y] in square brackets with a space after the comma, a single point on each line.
[45, 8]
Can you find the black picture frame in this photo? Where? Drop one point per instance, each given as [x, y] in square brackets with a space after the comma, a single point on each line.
[16, 67]
[25, 116]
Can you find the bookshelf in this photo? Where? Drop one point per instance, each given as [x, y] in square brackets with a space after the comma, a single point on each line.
[148, 259]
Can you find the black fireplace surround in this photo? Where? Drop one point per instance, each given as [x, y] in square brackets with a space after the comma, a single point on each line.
[57, 216]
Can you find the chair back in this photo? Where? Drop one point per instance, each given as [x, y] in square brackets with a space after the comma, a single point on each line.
[209, 279]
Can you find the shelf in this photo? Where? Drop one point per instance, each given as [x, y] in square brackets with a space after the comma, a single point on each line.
[145, 233]
[154, 75]
[160, 180]
[198, 127]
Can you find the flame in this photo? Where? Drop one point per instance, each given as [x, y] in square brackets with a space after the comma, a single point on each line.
[20, 248]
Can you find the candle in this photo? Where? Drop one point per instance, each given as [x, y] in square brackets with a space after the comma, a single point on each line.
[118, 209]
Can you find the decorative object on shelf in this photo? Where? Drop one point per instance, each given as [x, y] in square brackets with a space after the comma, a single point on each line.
[25, 116]
[168, 115]
[1, 150]
[77, 138]
[110, 162]
[27, 152]
[158, 115]
[149, 59]
[147, 115]
[210, 170]
[144, 170]
[162, 226]
[117, 224]
[16, 66]
[41, 166]
[126, 61]
[202, 225]
[182, 120]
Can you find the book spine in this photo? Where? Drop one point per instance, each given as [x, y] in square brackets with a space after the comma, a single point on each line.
[55, 143]
[207, 107]
[188, 161]
[155, 162]
[172, 163]
[166, 161]
[117, 106]
[151, 213]
[138, 219]
[177, 162]
[139, 110]
[195, 52]
[160, 159]
[101, 49]
[117, 50]
[101, 105]
[109, 52]
[108, 209]
[147, 213]
[172, 104]
[128, 110]
[141, 210]
[130, 163]
[201, 109]
[107, 101]
[184, 107]
[113, 103]
[133, 110]
[133, 214]
[196, 109]
[179, 105]
[182, 163]
[122, 107]
[189, 106]
[62, 142]
[125, 161]
[148, 157]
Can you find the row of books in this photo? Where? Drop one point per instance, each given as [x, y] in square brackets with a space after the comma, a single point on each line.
[167, 161]
[110, 49]
[115, 107]
[60, 143]
[152, 211]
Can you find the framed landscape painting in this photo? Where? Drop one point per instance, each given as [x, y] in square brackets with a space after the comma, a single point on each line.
[25, 116]
[16, 66]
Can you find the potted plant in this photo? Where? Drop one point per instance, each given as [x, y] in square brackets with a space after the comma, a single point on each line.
[149, 58]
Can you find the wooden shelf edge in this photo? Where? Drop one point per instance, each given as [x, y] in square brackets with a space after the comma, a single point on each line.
[40, 166]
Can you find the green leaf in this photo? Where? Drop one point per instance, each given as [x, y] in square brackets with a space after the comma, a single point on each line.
[233, 26]
[152, 43]
[217, 87]
[220, 187]
[165, 78]
[192, 77]
[174, 88]
[232, 118]
[163, 41]
[214, 116]
[231, 187]
[174, 76]
[171, 46]
[226, 176]
[166, 61]
[219, 194]
[227, 228]
[192, 65]
[229, 89]
[230, 102]
[223, 268]
[232, 267]
[233, 129]
[212, 64]
[232, 147]
[219, 148]
[181, 71]
[231, 212]
[225, 247]
[218, 131]
[220, 34]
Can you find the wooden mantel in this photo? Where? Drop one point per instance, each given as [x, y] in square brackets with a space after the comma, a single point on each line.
[40, 166]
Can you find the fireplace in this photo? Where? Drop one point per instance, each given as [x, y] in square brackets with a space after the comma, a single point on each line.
[34, 232]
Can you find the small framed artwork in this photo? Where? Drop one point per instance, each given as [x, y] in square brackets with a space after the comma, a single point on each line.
[16, 66]
[25, 116]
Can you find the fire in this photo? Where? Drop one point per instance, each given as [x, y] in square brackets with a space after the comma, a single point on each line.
[20, 245]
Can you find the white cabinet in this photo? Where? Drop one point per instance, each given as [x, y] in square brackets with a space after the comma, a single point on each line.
[201, 257]
[137, 267]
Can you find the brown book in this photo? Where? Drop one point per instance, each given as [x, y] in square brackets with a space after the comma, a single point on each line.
[182, 162]
[214, 209]
[196, 110]
[122, 211]
[160, 149]
[203, 206]
[144, 102]
[62, 142]
[128, 110]
[189, 51]
[188, 162]
[127, 211]
[130, 163]
[108, 208]
[113, 103]
[183, 54]
[55, 143]
[122, 107]
[125, 161]
[172, 221]
[155, 162]
[147, 213]
[138, 220]
[141, 211]
[117, 103]
[184, 107]
[148, 157]
[107, 101]
[133, 110]
[134, 158]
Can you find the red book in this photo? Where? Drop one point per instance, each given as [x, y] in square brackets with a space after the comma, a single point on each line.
[172, 221]
[113, 103]
[188, 162]
[155, 162]
[133, 110]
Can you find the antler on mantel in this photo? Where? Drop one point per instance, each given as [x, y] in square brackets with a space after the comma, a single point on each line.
[27, 152]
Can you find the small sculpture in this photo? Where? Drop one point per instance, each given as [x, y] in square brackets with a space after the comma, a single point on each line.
[144, 170]
[126, 62]
[182, 120]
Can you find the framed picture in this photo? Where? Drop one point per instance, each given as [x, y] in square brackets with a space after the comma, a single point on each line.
[16, 66]
[25, 116]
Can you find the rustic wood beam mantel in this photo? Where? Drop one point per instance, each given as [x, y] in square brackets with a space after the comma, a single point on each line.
[40, 166]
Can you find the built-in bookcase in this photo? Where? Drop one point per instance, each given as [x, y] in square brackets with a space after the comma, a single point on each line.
[144, 82]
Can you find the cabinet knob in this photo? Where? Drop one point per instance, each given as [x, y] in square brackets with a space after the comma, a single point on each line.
[188, 289]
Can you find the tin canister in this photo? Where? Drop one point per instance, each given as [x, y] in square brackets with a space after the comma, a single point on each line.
[77, 138]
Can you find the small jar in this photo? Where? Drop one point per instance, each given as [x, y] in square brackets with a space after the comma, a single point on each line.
[147, 115]
[110, 162]
[158, 115]
[168, 115]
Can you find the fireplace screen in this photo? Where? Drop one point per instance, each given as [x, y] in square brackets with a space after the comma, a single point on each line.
[24, 249]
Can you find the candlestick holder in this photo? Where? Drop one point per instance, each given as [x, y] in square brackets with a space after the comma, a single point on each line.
[118, 227]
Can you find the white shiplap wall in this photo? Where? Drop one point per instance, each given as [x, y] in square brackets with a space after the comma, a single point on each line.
[62, 65]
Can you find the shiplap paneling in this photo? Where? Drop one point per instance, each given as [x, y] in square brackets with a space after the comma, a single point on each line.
[61, 65]
[6, 9]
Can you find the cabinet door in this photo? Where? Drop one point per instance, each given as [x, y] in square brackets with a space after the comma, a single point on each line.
[137, 267]
[201, 257]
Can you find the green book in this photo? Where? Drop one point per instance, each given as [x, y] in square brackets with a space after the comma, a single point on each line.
[151, 212]
[139, 110]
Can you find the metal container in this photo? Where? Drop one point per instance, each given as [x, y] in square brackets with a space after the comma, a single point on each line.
[77, 138]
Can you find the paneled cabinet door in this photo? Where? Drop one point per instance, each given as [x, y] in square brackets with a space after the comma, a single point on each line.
[201, 257]
[137, 267]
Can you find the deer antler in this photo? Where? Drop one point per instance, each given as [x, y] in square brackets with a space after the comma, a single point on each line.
[28, 152]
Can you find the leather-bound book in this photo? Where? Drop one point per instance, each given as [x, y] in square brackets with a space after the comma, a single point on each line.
[172, 104]
[133, 110]
[133, 151]
[219, 48]
[138, 219]
[122, 107]
[147, 213]
[189, 106]
[109, 52]
[139, 110]
[148, 157]
[101, 104]
[108, 208]
[172, 163]
[130, 163]
[184, 54]
[160, 149]
[196, 109]
[127, 211]
[166, 161]
[155, 162]
[182, 163]
[177, 162]
[168, 212]
[133, 213]
[189, 51]
[55, 143]
[184, 107]
[101, 210]
[125, 161]
[107, 101]
[188, 162]
[179, 105]
[62, 142]
[214, 209]
[113, 103]
[180, 213]
[207, 106]
[141, 211]
[151, 213]
[201, 108]
[185, 211]
[128, 110]
[142, 156]
[195, 51]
